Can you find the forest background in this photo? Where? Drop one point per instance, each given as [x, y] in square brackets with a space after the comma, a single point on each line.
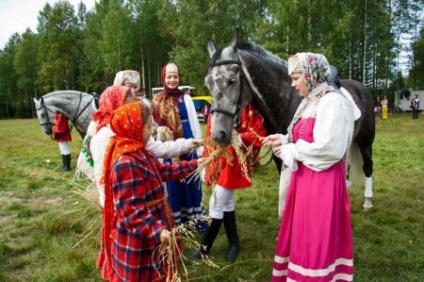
[80, 49]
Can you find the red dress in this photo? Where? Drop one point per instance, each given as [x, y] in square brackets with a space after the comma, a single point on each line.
[251, 128]
[61, 132]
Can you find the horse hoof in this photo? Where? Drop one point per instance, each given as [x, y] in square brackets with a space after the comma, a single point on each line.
[367, 204]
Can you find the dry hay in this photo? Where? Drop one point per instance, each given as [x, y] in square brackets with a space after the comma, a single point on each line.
[216, 152]
[170, 256]
[91, 212]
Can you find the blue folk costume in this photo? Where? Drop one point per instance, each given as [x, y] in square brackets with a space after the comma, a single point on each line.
[175, 110]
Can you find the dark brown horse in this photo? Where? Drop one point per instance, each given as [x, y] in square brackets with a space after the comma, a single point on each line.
[244, 72]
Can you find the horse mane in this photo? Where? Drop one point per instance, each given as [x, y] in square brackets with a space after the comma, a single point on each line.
[71, 92]
[269, 58]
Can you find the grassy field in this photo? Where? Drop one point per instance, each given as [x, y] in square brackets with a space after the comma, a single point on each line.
[45, 224]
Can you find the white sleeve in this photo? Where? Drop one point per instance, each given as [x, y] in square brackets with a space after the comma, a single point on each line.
[98, 146]
[193, 121]
[332, 135]
[169, 149]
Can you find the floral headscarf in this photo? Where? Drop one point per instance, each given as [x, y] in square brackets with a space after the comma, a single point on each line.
[314, 67]
[111, 99]
[128, 124]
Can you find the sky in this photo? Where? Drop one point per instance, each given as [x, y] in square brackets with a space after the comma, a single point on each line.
[18, 15]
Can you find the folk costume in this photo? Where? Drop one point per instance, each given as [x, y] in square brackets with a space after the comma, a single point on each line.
[85, 163]
[228, 177]
[175, 110]
[384, 108]
[112, 98]
[315, 236]
[136, 209]
[62, 135]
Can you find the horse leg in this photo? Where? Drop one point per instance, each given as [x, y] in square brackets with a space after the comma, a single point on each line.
[366, 152]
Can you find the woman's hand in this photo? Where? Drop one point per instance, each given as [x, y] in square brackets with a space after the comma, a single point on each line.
[197, 143]
[203, 160]
[164, 236]
[273, 140]
[277, 150]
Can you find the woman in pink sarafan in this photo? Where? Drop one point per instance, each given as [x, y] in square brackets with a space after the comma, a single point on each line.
[315, 237]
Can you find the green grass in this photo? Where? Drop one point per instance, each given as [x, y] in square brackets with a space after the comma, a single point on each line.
[42, 219]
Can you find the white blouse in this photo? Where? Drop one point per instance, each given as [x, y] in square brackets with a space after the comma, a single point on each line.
[332, 134]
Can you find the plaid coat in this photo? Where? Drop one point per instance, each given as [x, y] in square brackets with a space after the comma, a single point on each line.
[136, 179]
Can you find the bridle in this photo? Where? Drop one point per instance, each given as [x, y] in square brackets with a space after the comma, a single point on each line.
[236, 114]
[76, 115]
[46, 110]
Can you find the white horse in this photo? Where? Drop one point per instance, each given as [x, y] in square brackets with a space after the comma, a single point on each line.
[74, 105]
[77, 107]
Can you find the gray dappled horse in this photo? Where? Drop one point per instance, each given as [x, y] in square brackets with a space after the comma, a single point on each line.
[244, 72]
[74, 105]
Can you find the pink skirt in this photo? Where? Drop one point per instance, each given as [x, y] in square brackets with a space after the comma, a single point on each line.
[315, 238]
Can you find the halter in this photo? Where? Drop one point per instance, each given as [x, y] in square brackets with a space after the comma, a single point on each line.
[235, 115]
[46, 110]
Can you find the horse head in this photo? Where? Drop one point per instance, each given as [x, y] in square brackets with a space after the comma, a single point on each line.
[243, 73]
[229, 90]
[45, 115]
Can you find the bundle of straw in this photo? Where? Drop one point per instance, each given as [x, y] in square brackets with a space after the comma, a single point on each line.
[90, 212]
[216, 152]
[170, 256]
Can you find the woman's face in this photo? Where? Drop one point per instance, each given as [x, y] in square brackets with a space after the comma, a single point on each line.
[147, 129]
[135, 86]
[172, 80]
[299, 84]
[130, 97]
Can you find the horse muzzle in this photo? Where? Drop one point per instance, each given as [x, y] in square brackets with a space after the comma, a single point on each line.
[221, 129]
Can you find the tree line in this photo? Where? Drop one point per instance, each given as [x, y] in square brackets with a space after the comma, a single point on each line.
[80, 49]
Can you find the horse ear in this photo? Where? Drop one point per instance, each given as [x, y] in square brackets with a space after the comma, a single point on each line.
[36, 102]
[234, 41]
[211, 47]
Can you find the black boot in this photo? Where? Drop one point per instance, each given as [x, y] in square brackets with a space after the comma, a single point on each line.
[207, 240]
[66, 162]
[233, 240]
[60, 167]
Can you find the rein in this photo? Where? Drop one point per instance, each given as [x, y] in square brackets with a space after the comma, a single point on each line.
[77, 114]
[235, 115]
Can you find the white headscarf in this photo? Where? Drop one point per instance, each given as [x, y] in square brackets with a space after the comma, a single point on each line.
[127, 76]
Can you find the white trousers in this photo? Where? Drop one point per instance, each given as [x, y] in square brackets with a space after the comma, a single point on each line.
[222, 200]
[64, 148]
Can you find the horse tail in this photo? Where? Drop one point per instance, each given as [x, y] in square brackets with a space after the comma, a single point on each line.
[354, 165]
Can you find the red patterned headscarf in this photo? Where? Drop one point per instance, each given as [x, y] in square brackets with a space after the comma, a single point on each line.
[111, 99]
[170, 67]
[165, 105]
[128, 124]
